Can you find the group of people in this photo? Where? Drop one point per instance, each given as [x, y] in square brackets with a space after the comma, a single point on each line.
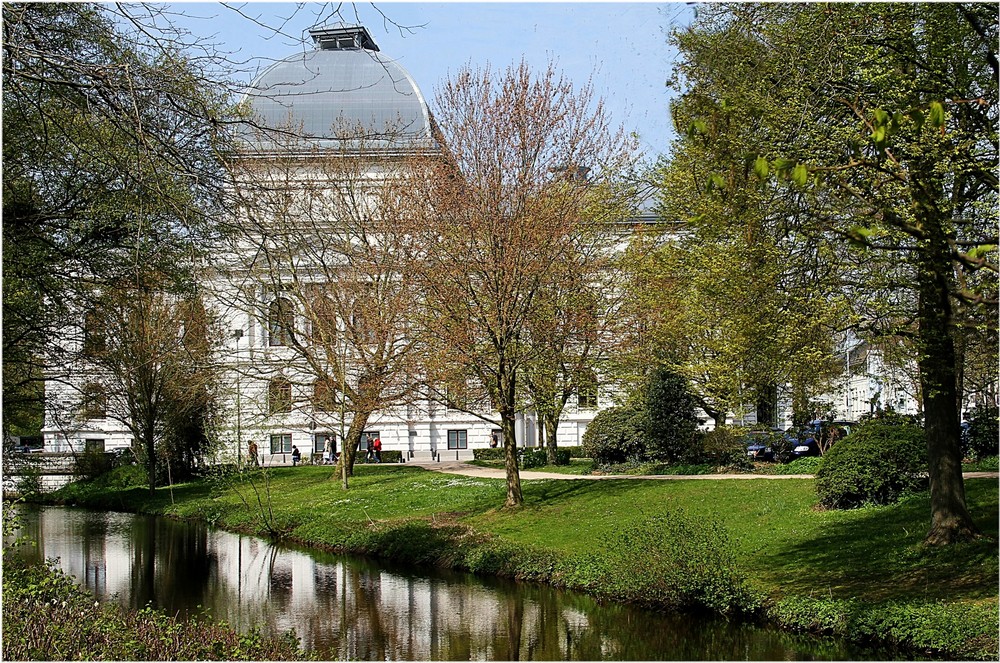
[373, 443]
[374, 447]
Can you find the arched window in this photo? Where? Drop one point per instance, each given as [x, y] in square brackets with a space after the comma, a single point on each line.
[324, 395]
[280, 322]
[279, 396]
[93, 401]
[94, 334]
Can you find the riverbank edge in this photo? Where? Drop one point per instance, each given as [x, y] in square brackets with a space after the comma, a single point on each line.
[961, 630]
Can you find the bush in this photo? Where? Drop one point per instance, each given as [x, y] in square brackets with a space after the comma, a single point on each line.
[616, 435]
[676, 561]
[92, 464]
[488, 454]
[982, 438]
[528, 458]
[392, 456]
[671, 411]
[721, 447]
[881, 460]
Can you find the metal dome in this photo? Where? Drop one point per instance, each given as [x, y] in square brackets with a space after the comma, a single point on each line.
[344, 87]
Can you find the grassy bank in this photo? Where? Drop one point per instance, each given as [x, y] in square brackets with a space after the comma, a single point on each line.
[734, 546]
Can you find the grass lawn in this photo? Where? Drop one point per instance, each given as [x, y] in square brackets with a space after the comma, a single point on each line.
[784, 542]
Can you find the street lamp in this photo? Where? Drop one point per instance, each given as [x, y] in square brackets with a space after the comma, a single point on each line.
[237, 335]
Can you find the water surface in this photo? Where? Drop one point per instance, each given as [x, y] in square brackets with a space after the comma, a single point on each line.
[350, 608]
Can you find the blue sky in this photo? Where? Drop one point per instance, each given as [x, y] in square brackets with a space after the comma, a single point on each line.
[622, 45]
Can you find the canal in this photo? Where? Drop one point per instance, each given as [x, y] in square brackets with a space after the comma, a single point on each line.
[350, 608]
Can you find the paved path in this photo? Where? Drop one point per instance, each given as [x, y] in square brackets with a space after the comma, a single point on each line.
[465, 469]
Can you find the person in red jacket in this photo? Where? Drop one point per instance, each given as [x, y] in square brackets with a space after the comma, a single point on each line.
[377, 448]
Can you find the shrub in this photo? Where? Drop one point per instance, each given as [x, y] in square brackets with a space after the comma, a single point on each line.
[528, 458]
[881, 460]
[92, 464]
[392, 456]
[616, 435]
[723, 447]
[672, 421]
[982, 438]
[488, 454]
[675, 561]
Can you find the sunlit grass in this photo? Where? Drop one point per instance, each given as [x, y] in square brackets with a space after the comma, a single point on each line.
[784, 542]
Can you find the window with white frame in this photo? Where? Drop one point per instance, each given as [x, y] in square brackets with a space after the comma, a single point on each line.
[458, 439]
[281, 443]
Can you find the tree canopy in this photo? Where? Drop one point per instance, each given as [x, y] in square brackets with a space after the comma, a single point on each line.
[876, 126]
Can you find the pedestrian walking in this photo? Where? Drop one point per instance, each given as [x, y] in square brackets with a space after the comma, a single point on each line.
[296, 456]
[252, 454]
[377, 448]
[370, 448]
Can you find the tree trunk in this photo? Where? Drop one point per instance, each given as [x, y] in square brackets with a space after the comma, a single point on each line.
[514, 496]
[950, 519]
[349, 453]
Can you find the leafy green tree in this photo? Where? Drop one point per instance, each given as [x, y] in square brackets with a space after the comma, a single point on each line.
[109, 151]
[670, 408]
[877, 127]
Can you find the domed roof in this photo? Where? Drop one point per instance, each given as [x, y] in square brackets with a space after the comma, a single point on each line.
[343, 87]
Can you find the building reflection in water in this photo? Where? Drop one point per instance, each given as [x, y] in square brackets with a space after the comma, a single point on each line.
[348, 608]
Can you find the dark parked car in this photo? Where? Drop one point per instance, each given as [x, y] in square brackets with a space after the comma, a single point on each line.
[759, 444]
[807, 447]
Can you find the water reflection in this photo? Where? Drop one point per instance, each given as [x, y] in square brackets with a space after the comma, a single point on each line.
[346, 608]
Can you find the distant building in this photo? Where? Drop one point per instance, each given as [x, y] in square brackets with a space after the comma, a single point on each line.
[344, 82]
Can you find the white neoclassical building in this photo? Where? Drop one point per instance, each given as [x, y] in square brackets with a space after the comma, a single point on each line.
[331, 121]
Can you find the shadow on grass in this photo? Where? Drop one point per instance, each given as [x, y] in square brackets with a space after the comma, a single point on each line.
[877, 554]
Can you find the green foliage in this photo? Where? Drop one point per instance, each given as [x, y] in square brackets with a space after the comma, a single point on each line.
[959, 631]
[617, 434]
[529, 458]
[392, 456]
[983, 436]
[881, 460]
[722, 447]
[671, 410]
[46, 616]
[676, 560]
[804, 465]
[489, 454]
[92, 463]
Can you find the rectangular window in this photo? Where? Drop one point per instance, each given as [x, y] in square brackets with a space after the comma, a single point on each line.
[94, 444]
[281, 444]
[279, 396]
[586, 391]
[458, 439]
[319, 442]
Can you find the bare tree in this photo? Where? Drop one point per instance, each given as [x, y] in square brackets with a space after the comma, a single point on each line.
[323, 227]
[498, 219]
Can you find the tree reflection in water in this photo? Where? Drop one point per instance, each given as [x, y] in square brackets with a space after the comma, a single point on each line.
[349, 608]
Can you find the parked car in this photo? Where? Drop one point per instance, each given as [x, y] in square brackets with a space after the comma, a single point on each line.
[803, 448]
[759, 444]
[25, 449]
